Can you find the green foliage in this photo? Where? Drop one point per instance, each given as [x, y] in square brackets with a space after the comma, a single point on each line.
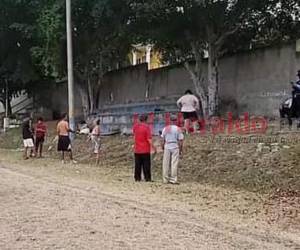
[16, 28]
[228, 25]
[49, 34]
[188, 29]
[100, 26]
[33, 42]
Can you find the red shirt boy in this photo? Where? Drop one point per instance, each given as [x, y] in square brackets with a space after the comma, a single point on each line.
[40, 129]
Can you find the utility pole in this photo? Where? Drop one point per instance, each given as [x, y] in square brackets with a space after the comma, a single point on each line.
[6, 98]
[70, 66]
[6, 118]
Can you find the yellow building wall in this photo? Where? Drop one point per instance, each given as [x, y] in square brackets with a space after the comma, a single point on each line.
[155, 61]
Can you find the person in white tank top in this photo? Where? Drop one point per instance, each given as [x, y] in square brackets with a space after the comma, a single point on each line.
[189, 106]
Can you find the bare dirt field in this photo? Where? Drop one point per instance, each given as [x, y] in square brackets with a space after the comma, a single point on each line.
[53, 212]
[234, 194]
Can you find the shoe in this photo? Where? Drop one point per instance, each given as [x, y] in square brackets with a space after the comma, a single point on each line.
[174, 183]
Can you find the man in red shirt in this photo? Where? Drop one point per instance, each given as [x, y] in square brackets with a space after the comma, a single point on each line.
[142, 149]
[40, 134]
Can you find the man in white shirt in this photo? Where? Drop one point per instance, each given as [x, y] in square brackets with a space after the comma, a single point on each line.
[173, 145]
[189, 104]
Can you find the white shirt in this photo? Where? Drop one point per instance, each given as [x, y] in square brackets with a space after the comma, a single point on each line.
[188, 103]
[172, 134]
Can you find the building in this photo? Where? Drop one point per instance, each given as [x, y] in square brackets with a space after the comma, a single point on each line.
[146, 54]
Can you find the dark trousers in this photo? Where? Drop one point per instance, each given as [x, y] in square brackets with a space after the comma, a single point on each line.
[296, 106]
[142, 161]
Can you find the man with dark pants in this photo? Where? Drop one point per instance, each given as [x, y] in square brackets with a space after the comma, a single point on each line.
[142, 149]
[40, 134]
[295, 109]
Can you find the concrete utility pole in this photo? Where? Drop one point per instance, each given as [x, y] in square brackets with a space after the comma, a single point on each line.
[6, 98]
[70, 66]
[6, 118]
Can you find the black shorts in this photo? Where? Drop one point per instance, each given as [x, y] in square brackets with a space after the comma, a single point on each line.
[190, 116]
[64, 143]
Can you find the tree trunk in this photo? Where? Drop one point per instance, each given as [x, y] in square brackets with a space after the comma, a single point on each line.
[97, 96]
[198, 81]
[9, 111]
[9, 108]
[90, 95]
[84, 101]
[86, 92]
[213, 82]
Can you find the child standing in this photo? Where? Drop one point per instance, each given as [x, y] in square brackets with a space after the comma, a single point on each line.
[95, 137]
[40, 134]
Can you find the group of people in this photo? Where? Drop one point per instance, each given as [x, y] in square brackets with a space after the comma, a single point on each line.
[172, 144]
[172, 137]
[34, 137]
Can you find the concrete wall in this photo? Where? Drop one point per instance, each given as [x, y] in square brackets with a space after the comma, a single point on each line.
[259, 81]
[137, 84]
[254, 82]
[125, 85]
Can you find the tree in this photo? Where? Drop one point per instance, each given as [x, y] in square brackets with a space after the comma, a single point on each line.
[101, 43]
[186, 30]
[17, 71]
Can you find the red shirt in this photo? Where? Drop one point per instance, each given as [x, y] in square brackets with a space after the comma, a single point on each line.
[142, 135]
[40, 130]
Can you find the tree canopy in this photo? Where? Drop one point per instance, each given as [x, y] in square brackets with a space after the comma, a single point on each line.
[189, 29]
[33, 44]
[33, 41]
[17, 69]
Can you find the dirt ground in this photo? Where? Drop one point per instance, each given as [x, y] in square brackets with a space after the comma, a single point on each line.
[235, 193]
[55, 212]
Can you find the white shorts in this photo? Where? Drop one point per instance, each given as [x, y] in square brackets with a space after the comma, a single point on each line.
[28, 143]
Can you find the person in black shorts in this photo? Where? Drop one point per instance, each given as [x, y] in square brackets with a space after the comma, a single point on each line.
[64, 142]
[189, 105]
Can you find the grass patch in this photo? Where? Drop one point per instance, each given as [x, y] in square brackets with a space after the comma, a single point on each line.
[205, 160]
[12, 139]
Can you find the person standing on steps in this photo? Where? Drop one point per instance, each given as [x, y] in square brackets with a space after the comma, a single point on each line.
[142, 149]
[189, 105]
[64, 142]
[172, 144]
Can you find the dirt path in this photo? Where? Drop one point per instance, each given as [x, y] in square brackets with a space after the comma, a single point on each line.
[51, 213]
